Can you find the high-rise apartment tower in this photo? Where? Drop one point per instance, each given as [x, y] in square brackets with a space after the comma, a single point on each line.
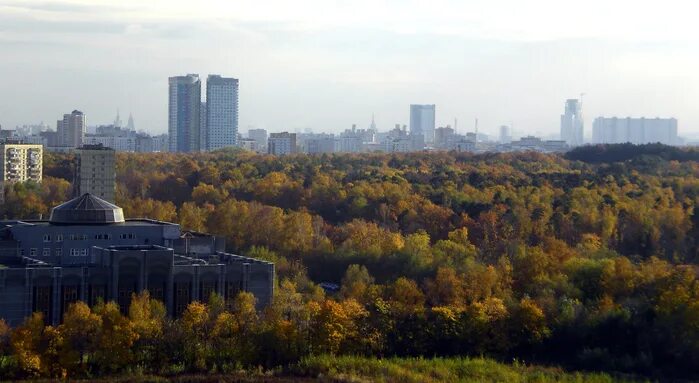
[95, 172]
[221, 112]
[572, 123]
[184, 119]
[71, 129]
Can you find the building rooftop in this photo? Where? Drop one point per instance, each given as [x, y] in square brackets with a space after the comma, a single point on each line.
[86, 209]
[126, 222]
[98, 146]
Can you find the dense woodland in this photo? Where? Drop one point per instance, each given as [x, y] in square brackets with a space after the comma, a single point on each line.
[588, 261]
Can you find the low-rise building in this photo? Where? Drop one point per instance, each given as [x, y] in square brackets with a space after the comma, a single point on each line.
[319, 143]
[87, 251]
[260, 136]
[531, 143]
[281, 143]
[247, 144]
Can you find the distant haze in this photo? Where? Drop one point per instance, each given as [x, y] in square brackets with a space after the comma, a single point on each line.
[326, 64]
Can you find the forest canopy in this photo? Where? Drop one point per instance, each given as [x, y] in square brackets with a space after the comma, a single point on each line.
[587, 261]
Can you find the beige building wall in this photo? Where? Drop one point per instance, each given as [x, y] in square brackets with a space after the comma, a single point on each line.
[21, 162]
[96, 172]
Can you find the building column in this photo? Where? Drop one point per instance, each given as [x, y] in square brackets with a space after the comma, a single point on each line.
[170, 298]
[29, 290]
[115, 277]
[246, 277]
[146, 268]
[142, 275]
[220, 289]
[195, 285]
[272, 278]
[56, 306]
[83, 284]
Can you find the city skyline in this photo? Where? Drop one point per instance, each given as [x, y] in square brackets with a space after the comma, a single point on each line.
[324, 70]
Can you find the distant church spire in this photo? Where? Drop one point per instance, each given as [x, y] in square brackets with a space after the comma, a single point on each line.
[130, 125]
[117, 120]
[373, 123]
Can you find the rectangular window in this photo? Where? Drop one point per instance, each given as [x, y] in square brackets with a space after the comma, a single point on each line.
[59, 252]
[46, 252]
[182, 297]
[207, 288]
[42, 302]
[97, 292]
[47, 238]
[83, 252]
[74, 252]
[70, 296]
[32, 252]
[21, 252]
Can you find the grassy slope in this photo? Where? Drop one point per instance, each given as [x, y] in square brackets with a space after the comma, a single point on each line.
[333, 369]
[357, 369]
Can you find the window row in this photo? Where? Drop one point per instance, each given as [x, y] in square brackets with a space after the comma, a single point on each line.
[83, 237]
[46, 252]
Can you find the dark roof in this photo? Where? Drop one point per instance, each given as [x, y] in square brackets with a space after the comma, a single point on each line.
[86, 209]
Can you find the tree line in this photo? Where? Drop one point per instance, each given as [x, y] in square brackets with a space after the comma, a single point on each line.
[532, 256]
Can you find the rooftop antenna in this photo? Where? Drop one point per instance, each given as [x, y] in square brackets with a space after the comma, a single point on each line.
[455, 124]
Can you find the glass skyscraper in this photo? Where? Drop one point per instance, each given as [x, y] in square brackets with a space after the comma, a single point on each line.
[184, 120]
[422, 122]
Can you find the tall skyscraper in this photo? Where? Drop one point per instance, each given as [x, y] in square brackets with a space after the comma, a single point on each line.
[71, 130]
[221, 112]
[634, 130]
[422, 121]
[95, 172]
[203, 127]
[184, 125]
[572, 123]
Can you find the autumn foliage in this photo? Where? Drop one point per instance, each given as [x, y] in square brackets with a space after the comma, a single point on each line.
[587, 264]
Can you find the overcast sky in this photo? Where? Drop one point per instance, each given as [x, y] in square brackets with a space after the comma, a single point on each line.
[325, 64]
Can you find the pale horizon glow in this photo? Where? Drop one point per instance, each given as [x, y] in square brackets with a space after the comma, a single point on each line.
[325, 65]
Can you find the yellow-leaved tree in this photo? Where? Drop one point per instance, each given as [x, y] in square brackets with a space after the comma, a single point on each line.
[81, 333]
[116, 341]
[148, 317]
